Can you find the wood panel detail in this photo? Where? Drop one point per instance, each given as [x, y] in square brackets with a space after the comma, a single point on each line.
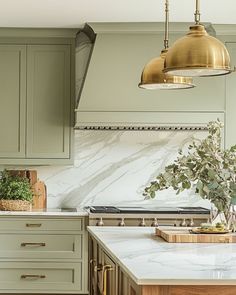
[188, 290]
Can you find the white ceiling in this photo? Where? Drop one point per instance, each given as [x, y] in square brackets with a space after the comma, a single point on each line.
[74, 13]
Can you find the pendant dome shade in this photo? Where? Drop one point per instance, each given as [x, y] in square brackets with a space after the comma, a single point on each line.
[153, 77]
[197, 54]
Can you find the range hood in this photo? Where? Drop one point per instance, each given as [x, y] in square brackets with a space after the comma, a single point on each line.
[109, 61]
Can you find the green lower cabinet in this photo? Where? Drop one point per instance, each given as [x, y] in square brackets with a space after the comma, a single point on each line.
[36, 105]
[29, 277]
[41, 255]
[40, 246]
[12, 100]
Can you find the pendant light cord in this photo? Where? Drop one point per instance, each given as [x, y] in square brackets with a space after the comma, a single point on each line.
[166, 40]
[197, 13]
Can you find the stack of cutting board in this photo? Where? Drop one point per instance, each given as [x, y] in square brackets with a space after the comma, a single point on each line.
[38, 187]
[183, 235]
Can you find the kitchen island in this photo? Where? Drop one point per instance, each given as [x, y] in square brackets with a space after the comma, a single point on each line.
[153, 266]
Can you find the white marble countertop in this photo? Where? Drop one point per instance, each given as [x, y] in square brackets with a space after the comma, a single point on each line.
[46, 212]
[149, 260]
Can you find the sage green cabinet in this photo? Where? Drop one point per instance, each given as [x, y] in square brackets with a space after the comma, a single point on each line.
[36, 101]
[230, 105]
[43, 254]
[12, 100]
[48, 93]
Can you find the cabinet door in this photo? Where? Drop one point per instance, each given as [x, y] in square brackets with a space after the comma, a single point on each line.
[93, 266]
[13, 100]
[123, 281]
[110, 276]
[230, 138]
[48, 101]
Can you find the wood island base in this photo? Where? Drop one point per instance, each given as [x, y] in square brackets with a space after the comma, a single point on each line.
[184, 290]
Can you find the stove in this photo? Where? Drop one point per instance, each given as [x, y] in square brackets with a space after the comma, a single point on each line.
[147, 216]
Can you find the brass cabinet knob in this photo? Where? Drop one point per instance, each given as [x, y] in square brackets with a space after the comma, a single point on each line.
[122, 222]
[142, 222]
[154, 223]
[97, 268]
[100, 222]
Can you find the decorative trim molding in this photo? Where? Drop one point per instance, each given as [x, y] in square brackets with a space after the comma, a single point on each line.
[143, 128]
[37, 33]
[147, 28]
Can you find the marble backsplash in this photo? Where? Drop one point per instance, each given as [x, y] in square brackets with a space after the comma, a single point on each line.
[113, 168]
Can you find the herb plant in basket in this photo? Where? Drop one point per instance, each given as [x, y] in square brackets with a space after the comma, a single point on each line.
[207, 168]
[15, 192]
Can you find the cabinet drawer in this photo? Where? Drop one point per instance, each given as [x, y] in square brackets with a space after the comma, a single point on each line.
[15, 276]
[40, 246]
[40, 224]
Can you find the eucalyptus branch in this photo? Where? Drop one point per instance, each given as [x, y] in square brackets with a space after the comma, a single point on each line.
[206, 167]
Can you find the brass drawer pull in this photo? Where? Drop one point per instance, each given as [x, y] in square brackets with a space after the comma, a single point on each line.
[33, 224]
[106, 268]
[33, 277]
[33, 244]
[97, 268]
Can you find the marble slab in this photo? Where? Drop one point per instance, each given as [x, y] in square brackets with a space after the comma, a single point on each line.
[149, 260]
[113, 168]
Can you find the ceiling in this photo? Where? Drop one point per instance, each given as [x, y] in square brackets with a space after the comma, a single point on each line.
[74, 13]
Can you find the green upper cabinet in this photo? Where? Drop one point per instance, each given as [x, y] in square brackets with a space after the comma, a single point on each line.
[12, 100]
[231, 99]
[36, 96]
[48, 101]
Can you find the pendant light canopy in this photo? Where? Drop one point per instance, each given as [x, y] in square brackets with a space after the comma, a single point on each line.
[153, 77]
[197, 53]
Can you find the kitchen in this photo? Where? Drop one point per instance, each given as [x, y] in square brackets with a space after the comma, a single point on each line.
[97, 146]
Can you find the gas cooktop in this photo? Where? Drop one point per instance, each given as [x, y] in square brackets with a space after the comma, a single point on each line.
[159, 210]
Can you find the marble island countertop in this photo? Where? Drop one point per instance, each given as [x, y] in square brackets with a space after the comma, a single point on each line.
[149, 260]
[46, 212]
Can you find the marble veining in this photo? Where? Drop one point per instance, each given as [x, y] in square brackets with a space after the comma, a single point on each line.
[113, 168]
[150, 260]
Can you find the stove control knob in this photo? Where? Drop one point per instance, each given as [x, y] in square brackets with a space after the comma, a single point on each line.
[191, 222]
[154, 223]
[100, 222]
[142, 222]
[183, 223]
[122, 222]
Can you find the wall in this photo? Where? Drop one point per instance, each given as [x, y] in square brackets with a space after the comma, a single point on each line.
[113, 167]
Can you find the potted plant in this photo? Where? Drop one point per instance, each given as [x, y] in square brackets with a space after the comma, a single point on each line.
[15, 192]
[207, 168]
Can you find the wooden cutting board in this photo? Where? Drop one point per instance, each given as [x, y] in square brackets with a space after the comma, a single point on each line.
[30, 174]
[40, 195]
[175, 235]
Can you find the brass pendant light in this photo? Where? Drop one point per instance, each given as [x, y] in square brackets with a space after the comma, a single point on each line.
[197, 53]
[153, 76]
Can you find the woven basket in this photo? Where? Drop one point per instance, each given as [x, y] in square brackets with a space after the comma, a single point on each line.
[15, 205]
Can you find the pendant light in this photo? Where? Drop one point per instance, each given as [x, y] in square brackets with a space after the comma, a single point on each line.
[153, 76]
[197, 53]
